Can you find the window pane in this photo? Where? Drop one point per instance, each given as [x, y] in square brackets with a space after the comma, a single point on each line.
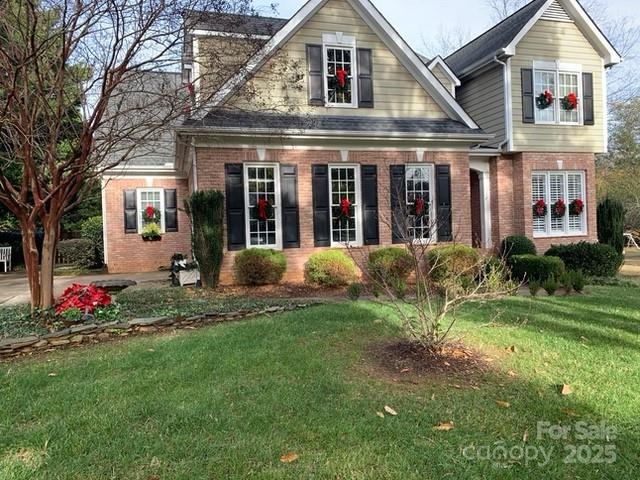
[343, 186]
[556, 192]
[574, 192]
[568, 84]
[545, 80]
[261, 185]
[339, 75]
[418, 199]
[538, 192]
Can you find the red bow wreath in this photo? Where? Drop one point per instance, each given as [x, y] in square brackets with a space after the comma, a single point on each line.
[559, 208]
[263, 209]
[570, 102]
[151, 214]
[576, 207]
[540, 208]
[341, 75]
[345, 208]
[544, 100]
[418, 207]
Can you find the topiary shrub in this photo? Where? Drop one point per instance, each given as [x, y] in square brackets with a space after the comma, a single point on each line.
[330, 268]
[535, 268]
[257, 266]
[79, 252]
[91, 229]
[611, 224]
[550, 285]
[390, 266]
[206, 210]
[578, 281]
[453, 262]
[534, 288]
[517, 245]
[593, 259]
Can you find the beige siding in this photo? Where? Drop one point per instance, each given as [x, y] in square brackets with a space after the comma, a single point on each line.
[281, 84]
[549, 40]
[483, 98]
[444, 79]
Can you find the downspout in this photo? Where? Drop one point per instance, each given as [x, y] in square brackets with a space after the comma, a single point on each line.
[507, 93]
[194, 164]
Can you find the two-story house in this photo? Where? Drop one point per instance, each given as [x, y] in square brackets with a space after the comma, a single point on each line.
[330, 123]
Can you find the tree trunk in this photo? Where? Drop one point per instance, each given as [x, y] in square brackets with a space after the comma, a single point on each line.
[31, 260]
[47, 263]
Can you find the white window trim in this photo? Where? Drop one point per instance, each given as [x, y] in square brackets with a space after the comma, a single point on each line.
[141, 207]
[566, 232]
[358, 209]
[277, 210]
[344, 42]
[558, 68]
[432, 207]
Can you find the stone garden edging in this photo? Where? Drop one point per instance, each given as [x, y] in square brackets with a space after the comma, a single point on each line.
[97, 333]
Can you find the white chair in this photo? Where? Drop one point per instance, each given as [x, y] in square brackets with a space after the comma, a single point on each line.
[5, 258]
[630, 240]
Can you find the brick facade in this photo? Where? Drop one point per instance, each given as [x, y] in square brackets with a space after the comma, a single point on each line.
[210, 162]
[127, 252]
[511, 194]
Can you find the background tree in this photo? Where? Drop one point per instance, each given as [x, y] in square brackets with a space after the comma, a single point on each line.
[75, 101]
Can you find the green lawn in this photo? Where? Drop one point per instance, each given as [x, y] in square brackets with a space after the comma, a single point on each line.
[228, 401]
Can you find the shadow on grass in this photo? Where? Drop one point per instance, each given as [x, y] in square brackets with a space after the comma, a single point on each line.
[228, 401]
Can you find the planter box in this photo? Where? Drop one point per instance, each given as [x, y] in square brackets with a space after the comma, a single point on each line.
[188, 277]
[152, 239]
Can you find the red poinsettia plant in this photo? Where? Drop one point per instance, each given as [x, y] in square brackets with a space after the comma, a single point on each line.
[86, 298]
[559, 208]
[151, 215]
[576, 207]
[570, 101]
[544, 100]
[263, 210]
[540, 208]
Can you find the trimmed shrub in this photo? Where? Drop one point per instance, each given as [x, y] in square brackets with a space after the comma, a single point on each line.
[206, 210]
[578, 281]
[257, 266]
[91, 229]
[550, 286]
[453, 262]
[611, 224]
[593, 259]
[354, 292]
[331, 268]
[389, 264]
[535, 268]
[517, 245]
[566, 282]
[79, 252]
[534, 288]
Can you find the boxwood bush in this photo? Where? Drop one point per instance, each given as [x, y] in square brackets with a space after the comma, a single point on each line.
[536, 269]
[257, 266]
[517, 245]
[79, 252]
[453, 262]
[390, 265]
[330, 268]
[593, 259]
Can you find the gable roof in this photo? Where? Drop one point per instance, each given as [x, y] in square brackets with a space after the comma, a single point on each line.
[381, 27]
[440, 61]
[501, 40]
[235, 23]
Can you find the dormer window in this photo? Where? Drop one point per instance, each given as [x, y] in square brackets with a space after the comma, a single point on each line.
[339, 55]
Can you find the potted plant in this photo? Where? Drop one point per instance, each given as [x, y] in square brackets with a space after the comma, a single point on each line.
[184, 272]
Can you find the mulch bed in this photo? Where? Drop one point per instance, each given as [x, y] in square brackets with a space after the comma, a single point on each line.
[284, 290]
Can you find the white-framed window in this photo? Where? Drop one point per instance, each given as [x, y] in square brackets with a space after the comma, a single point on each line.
[550, 187]
[340, 64]
[344, 184]
[562, 80]
[150, 197]
[263, 221]
[419, 191]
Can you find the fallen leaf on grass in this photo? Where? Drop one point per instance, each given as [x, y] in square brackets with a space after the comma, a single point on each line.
[512, 374]
[53, 374]
[503, 404]
[405, 370]
[289, 457]
[566, 389]
[380, 414]
[433, 397]
[390, 410]
[525, 437]
[444, 426]
[570, 412]
[513, 349]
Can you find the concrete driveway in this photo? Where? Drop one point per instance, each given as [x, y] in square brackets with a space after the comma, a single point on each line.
[14, 288]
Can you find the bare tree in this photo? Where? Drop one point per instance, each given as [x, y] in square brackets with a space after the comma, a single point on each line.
[80, 94]
[446, 41]
[442, 280]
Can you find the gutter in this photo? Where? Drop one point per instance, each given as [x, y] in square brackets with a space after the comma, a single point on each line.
[507, 98]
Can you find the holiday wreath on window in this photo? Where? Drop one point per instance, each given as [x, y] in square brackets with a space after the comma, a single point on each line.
[576, 207]
[419, 207]
[569, 102]
[540, 208]
[344, 211]
[559, 208]
[151, 218]
[544, 100]
[263, 210]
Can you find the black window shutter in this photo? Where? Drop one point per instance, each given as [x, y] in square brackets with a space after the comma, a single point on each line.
[443, 199]
[370, 204]
[321, 205]
[315, 73]
[234, 183]
[290, 209]
[170, 210]
[130, 212]
[398, 204]
[528, 100]
[365, 78]
[587, 99]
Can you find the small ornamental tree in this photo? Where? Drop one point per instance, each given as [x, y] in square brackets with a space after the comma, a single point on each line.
[611, 224]
[206, 210]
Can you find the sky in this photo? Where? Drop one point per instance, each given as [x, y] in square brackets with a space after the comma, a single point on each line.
[417, 20]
